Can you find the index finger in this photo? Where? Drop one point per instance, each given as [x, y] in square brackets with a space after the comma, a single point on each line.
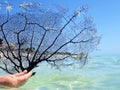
[25, 76]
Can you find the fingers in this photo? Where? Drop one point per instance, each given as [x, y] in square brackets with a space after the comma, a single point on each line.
[21, 78]
[25, 76]
[28, 75]
[21, 73]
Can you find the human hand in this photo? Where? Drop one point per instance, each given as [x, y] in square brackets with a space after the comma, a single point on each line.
[15, 80]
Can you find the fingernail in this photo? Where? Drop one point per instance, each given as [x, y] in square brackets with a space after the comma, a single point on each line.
[25, 71]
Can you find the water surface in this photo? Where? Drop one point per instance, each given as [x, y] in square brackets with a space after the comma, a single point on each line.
[100, 73]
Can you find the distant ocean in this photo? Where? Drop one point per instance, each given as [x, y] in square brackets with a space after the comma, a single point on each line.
[100, 73]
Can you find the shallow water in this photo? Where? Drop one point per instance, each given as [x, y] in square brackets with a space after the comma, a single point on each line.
[100, 73]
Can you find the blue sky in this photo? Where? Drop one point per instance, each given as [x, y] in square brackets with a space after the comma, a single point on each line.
[106, 16]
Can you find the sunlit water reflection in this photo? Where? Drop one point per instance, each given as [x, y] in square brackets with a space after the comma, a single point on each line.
[100, 73]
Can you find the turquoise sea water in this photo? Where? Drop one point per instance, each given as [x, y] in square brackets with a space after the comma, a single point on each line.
[100, 73]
